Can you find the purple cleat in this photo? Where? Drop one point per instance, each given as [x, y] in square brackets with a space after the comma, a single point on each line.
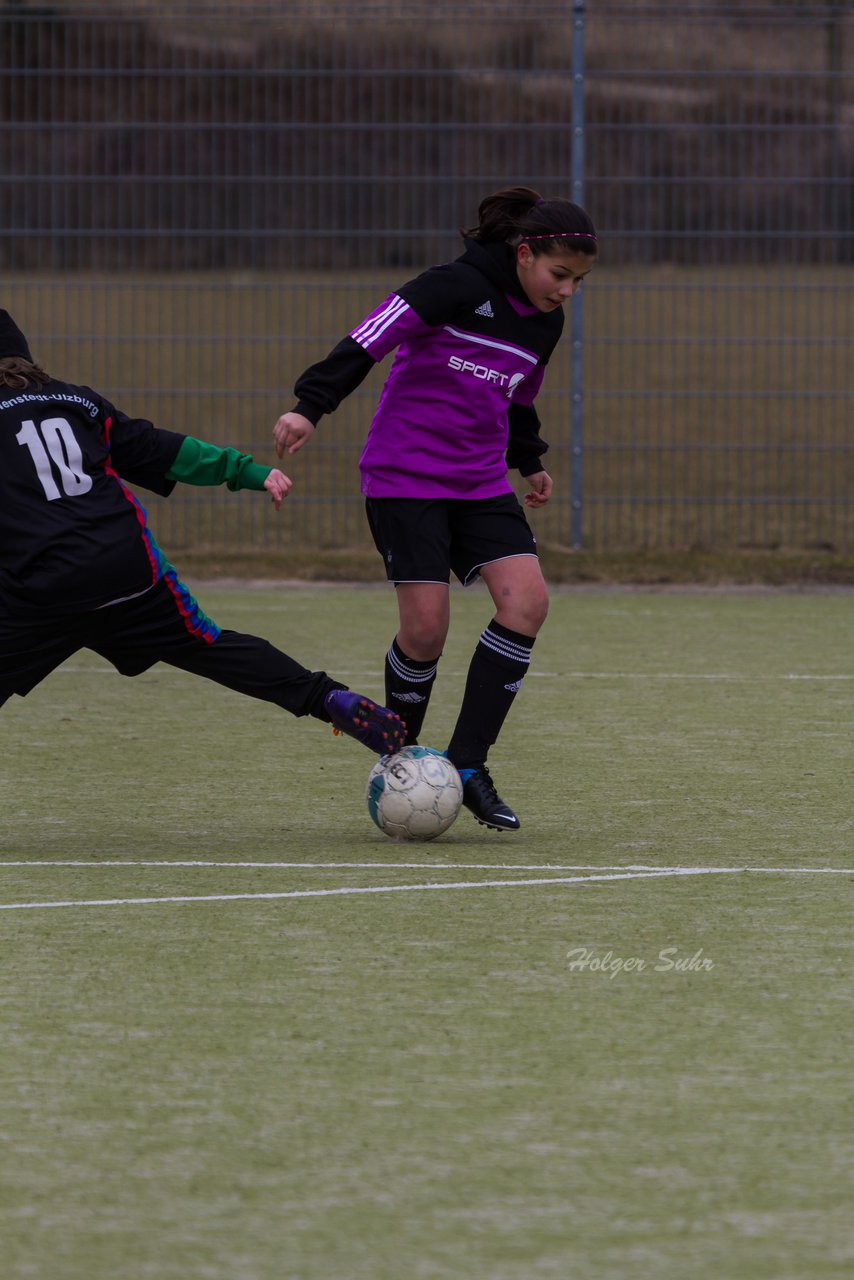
[374, 726]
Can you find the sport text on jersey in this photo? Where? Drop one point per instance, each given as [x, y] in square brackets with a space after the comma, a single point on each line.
[483, 371]
[51, 398]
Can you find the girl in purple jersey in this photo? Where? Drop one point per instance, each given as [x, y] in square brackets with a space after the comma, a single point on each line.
[473, 338]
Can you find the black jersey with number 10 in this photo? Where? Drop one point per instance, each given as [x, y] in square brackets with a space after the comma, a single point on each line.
[72, 535]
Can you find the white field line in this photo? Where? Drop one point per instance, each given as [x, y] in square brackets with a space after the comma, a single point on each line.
[433, 866]
[330, 893]
[388, 888]
[357, 866]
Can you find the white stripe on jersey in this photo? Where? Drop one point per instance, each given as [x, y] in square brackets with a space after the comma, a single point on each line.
[371, 329]
[489, 342]
[121, 599]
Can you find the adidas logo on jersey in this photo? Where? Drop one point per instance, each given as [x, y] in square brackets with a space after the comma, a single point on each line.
[485, 309]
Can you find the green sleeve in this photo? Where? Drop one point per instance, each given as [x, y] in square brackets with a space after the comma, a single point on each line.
[200, 463]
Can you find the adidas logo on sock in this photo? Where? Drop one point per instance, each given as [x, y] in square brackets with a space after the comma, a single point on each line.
[514, 687]
[485, 309]
[408, 697]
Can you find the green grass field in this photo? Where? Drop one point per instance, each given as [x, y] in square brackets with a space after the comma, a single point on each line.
[253, 1039]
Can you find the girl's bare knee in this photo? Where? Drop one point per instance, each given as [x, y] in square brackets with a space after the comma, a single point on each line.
[523, 611]
[423, 640]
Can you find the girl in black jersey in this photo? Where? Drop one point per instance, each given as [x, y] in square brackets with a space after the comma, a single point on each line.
[473, 339]
[79, 567]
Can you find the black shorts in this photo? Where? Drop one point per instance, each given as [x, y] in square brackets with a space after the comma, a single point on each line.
[154, 626]
[423, 539]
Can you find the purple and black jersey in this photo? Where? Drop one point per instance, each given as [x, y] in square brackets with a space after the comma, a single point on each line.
[457, 406]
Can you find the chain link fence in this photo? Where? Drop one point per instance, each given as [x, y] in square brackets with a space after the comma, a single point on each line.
[197, 201]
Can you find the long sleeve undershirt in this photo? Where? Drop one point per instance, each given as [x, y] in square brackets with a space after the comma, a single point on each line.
[201, 463]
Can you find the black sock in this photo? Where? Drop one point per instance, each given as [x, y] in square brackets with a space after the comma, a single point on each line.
[496, 671]
[408, 685]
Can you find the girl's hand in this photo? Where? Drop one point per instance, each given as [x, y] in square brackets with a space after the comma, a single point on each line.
[291, 432]
[278, 486]
[541, 489]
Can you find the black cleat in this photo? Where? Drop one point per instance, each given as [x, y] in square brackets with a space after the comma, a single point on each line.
[480, 796]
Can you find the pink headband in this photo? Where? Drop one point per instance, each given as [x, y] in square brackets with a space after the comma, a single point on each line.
[558, 235]
[562, 235]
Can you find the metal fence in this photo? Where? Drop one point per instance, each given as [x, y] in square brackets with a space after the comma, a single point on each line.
[197, 201]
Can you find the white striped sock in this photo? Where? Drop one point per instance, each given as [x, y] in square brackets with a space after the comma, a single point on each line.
[417, 675]
[506, 648]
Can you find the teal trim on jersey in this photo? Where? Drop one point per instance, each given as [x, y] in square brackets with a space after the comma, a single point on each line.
[201, 463]
[195, 619]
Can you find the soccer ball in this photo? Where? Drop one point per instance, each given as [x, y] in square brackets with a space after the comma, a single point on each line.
[414, 794]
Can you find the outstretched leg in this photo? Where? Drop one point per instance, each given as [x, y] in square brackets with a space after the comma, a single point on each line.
[253, 666]
[167, 626]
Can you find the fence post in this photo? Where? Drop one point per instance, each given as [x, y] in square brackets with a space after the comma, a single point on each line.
[576, 327]
[837, 201]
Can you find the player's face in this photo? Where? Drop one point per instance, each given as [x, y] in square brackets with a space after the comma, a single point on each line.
[549, 279]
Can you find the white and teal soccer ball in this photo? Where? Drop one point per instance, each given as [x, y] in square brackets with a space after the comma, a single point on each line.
[414, 794]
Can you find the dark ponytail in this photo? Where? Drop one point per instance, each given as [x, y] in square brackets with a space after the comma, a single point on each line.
[515, 214]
